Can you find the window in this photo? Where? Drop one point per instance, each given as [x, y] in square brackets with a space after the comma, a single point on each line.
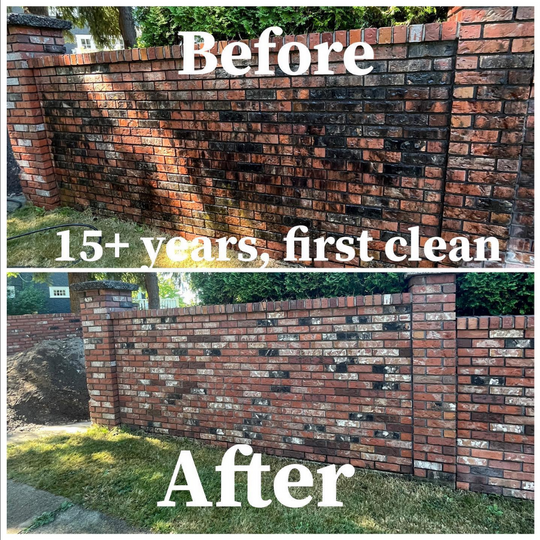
[59, 292]
[11, 291]
[85, 43]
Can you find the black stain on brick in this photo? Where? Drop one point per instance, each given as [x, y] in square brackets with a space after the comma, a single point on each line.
[357, 319]
[385, 386]
[519, 343]
[395, 326]
[381, 434]
[280, 389]
[268, 352]
[279, 374]
[267, 322]
[361, 417]
[315, 427]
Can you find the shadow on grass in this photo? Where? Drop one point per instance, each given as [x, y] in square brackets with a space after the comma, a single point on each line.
[124, 474]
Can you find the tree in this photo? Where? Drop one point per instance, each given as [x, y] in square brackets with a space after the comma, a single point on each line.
[75, 296]
[127, 27]
[107, 24]
[36, 10]
[152, 289]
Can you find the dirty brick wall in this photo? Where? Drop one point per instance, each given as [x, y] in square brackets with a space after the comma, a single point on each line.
[496, 405]
[438, 136]
[25, 331]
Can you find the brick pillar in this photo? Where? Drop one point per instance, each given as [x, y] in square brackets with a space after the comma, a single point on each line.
[98, 300]
[488, 184]
[434, 375]
[30, 36]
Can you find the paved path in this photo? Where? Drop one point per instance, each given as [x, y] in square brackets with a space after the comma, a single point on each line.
[25, 504]
[46, 431]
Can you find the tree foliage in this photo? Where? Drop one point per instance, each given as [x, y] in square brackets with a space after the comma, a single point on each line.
[28, 300]
[107, 24]
[102, 21]
[477, 293]
[234, 287]
[481, 293]
[160, 24]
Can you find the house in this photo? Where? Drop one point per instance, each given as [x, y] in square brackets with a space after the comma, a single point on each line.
[55, 289]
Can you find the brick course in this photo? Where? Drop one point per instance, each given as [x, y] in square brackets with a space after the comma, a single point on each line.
[217, 155]
[373, 380]
[25, 331]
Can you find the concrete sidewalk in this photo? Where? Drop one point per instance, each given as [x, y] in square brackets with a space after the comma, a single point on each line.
[25, 504]
[46, 431]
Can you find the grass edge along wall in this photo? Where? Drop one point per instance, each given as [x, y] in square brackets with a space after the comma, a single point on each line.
[438, 136]
[390, 382]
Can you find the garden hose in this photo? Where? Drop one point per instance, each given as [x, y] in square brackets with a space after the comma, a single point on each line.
[56, 227]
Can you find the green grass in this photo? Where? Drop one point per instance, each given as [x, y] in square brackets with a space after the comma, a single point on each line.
[124, 474]
[41, 250]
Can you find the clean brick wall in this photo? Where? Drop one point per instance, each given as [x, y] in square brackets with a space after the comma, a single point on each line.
[25, 331]
[389, 382]
[496, 405]
[216, 155]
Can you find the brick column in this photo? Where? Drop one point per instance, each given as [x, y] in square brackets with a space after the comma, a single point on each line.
[30, 36]
[98, 300]
[434, 375]
[489, 184]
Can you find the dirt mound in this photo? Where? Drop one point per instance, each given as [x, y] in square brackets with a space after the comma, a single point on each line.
[47, 384]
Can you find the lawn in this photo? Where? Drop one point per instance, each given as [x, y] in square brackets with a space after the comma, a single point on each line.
[124, 473]
[41, 249]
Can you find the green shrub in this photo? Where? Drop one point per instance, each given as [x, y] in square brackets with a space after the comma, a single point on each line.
[28, 300]
[481, 293]
[477, 293]
[160, 24]
[234, 287]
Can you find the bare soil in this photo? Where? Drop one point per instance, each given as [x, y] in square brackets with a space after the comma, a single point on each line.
[47, 385]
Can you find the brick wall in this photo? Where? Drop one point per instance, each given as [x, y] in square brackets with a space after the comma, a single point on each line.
[489, 188]
[388, 382]
[31, 37]
[25, 331]
[496, 405]
[216, 155]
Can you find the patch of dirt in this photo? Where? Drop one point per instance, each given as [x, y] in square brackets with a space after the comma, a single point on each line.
[47, 385]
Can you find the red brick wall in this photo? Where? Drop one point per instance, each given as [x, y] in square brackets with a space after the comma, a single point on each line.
[216, 155]
[327, 380]
[25, 331]
[389, 382]
[496, 405]
[490, 186]
[26, 125]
